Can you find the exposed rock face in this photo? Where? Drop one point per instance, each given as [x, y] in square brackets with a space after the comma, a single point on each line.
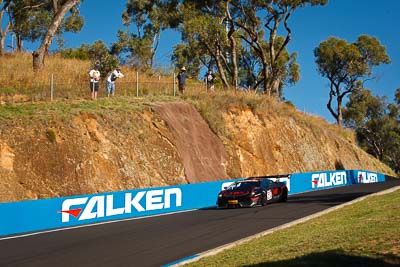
[6, 158]
[163, 144]
[201, 151]
[276, 145]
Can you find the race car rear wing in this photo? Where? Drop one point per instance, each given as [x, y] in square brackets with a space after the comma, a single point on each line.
[274, 177]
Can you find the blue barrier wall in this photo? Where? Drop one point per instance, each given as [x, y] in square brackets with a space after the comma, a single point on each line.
[39, 215]
[305, 182]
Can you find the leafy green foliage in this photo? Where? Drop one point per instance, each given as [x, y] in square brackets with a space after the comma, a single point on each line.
[232, 35]
[347, 65]
[376, 124]
[149, 18]
[185, 55]
[32, 18]
[81, 52]
[204, 37]
[98, 52]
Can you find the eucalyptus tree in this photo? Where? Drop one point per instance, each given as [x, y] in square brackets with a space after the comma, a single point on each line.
[148, 18]
[347, 66]
[376, 124]
[56, 11]
[34, 20]
[229, 28]
[271, 52]
[210, 26]
[203, 29]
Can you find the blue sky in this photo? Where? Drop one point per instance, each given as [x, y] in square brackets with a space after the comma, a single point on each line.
[346, 19]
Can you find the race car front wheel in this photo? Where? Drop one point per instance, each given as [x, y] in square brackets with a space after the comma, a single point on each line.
[283, 196]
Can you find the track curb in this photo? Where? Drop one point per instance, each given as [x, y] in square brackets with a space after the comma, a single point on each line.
[216, 250]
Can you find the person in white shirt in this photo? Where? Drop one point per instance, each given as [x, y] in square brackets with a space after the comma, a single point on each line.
[94, 80]
[111, 81]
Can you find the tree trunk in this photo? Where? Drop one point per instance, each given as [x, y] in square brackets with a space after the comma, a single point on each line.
[40, 53]
[221, 70]
[18, 43]
[275, 52]
[329, 105]
[233, 47]
[3, 34]
[339, 111]
[276, 87]
[265, 69]
[2, 41]
[217, 56]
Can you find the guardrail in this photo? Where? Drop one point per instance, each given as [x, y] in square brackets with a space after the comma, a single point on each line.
[46, 214]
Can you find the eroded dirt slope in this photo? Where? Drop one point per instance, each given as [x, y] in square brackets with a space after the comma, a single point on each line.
[201, 151]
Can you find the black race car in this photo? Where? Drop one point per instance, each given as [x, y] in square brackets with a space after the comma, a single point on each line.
[252, 192]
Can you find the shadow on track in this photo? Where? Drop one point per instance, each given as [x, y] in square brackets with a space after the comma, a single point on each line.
[334, 258]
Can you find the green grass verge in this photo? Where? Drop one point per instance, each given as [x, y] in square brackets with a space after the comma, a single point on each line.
[69, 108]
[366, 233]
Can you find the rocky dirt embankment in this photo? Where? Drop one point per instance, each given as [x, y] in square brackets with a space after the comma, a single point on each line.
[161, 144]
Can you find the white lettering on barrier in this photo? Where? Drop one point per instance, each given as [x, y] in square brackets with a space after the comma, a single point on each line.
[89, 212]
[168, 193]
[86, 208]
[367, 177]
[154, 199]
[129, 202]
[321, 180]
[66, 206]
[110, 210]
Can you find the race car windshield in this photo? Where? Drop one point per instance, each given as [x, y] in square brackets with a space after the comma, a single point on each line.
[244, 185]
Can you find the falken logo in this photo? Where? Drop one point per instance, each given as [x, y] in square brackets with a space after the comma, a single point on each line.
[86, 208]
[321, 180]
[367, 177]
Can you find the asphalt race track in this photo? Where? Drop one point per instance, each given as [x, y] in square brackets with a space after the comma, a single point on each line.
[157, 241]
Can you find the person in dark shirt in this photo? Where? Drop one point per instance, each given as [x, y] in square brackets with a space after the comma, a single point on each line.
[182, 76]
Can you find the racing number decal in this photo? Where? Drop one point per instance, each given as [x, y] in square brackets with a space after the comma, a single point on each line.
[269, 195]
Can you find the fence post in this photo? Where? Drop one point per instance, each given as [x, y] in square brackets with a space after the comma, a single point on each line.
[51, 87]
[174, 84]
[137, 84]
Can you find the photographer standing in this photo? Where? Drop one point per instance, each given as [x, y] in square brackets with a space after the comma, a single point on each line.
[182, 76]
[111, 81]
[94, 80]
